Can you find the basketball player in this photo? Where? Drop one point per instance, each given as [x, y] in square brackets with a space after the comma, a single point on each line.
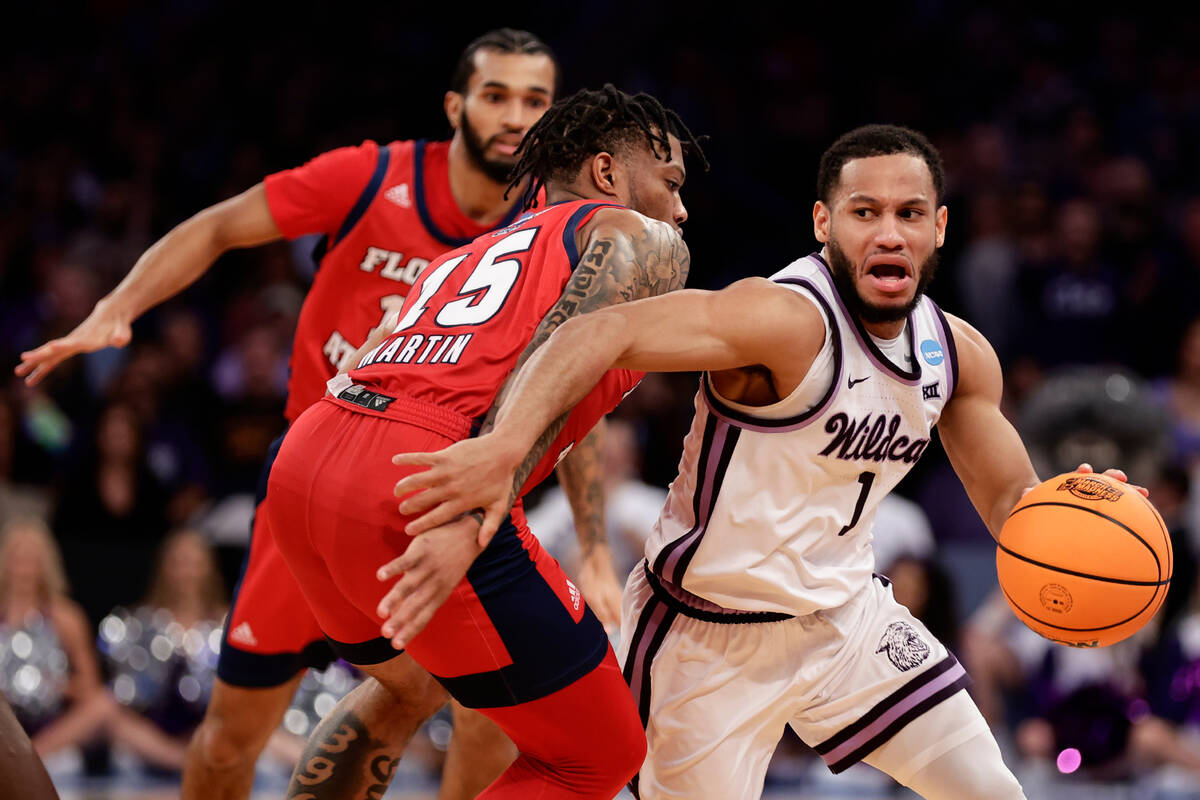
[386, 212]
[756, 606]
[514, 638]
[20, 768]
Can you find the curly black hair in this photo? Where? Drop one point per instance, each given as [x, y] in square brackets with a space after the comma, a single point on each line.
[597, 121]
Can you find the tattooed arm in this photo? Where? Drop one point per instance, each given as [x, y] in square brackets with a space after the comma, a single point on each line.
[581, 475]
[627, 257]
[753, 322]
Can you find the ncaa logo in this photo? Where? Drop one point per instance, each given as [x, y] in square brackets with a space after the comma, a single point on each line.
[931, 351]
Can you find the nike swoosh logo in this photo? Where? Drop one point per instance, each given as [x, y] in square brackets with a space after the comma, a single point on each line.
[850, 381]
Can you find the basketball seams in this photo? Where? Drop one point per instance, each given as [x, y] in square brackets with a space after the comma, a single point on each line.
[1065, 571]
[1162, 527]
[1157, 562]
[1151, 603]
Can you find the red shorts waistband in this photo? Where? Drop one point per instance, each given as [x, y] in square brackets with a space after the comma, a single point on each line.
[403, 408]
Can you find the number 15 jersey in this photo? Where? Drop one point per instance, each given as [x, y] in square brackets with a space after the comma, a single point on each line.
[773, 506]
[472, 313]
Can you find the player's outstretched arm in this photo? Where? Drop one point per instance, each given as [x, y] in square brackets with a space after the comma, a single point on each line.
[625, 256]
[171, 264]
[752, 322]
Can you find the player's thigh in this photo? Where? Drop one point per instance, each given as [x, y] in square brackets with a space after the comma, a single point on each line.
[880, 668]
[715, 697]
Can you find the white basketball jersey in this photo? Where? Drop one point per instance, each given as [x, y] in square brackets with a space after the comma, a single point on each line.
[773, 506]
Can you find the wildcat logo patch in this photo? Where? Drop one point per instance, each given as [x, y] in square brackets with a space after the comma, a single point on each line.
[904, 646]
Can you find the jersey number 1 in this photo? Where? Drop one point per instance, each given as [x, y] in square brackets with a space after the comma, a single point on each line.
[866, 479]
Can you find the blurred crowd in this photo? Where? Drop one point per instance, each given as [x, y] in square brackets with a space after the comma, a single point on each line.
[1072, 149]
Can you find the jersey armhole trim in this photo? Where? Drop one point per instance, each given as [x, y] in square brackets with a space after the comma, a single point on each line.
[751, 422]
[948, 343]
[577, 218]
[325, 244]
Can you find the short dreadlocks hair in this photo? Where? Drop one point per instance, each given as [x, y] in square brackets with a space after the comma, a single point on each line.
[877, 140]
[501, 40]
[597, 121]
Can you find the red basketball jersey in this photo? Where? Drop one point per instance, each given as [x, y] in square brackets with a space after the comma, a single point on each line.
[473, 312]
[386, 212]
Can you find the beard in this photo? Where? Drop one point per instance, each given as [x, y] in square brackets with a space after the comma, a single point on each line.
[843, 280]
[494, 168]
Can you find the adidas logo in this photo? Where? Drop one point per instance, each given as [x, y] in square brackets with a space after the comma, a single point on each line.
[243, 634]
[399, 195]
[574, 595]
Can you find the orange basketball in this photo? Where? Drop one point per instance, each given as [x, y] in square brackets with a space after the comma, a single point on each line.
[1084, 560]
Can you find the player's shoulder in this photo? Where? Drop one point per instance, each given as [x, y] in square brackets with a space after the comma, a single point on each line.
[771, 298]
[978, 365]
[967, 339]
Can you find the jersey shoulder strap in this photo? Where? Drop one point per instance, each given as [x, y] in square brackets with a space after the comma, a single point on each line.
[324, 244]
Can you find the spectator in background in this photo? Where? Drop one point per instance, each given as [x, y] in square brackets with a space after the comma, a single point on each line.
[112, 511]
[162, 656]
[1074, 298]
[1179, 394]
[48, 667]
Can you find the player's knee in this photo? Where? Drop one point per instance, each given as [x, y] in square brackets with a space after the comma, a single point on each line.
[222, 745]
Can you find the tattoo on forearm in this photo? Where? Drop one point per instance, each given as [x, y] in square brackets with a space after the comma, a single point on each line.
[539, 449]
[581, 476]
[342, 759]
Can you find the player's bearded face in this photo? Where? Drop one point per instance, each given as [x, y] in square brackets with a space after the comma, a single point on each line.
[497, 167]
[846, 276]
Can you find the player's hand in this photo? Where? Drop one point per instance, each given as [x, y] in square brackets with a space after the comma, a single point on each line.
[102, 328]
[598, 582]
[474, 474]
[429, 570]
[1118, 475]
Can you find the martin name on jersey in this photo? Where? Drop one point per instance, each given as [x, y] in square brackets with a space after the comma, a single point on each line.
[773, 507]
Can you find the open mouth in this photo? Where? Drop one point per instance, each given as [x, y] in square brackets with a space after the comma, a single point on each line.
[889, 276]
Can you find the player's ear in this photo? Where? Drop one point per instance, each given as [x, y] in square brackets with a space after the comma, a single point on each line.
[604, 171]
[940, 221]
[821, 219]
[453, 105]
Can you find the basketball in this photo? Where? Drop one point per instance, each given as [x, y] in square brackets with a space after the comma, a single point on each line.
[1084, 560]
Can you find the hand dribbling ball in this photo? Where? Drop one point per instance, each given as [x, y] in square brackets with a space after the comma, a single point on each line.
[1084, 560]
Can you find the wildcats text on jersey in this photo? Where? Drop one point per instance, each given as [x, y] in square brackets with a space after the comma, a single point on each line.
[871, 440]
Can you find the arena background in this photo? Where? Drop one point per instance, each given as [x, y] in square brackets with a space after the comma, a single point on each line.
[1072, 147]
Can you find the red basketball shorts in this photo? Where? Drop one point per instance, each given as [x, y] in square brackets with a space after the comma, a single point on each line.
[515, 629]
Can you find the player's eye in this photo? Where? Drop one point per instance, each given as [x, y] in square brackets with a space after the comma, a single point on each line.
[863, 213]
[674, 186]
[536, 102]
[912, 213]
